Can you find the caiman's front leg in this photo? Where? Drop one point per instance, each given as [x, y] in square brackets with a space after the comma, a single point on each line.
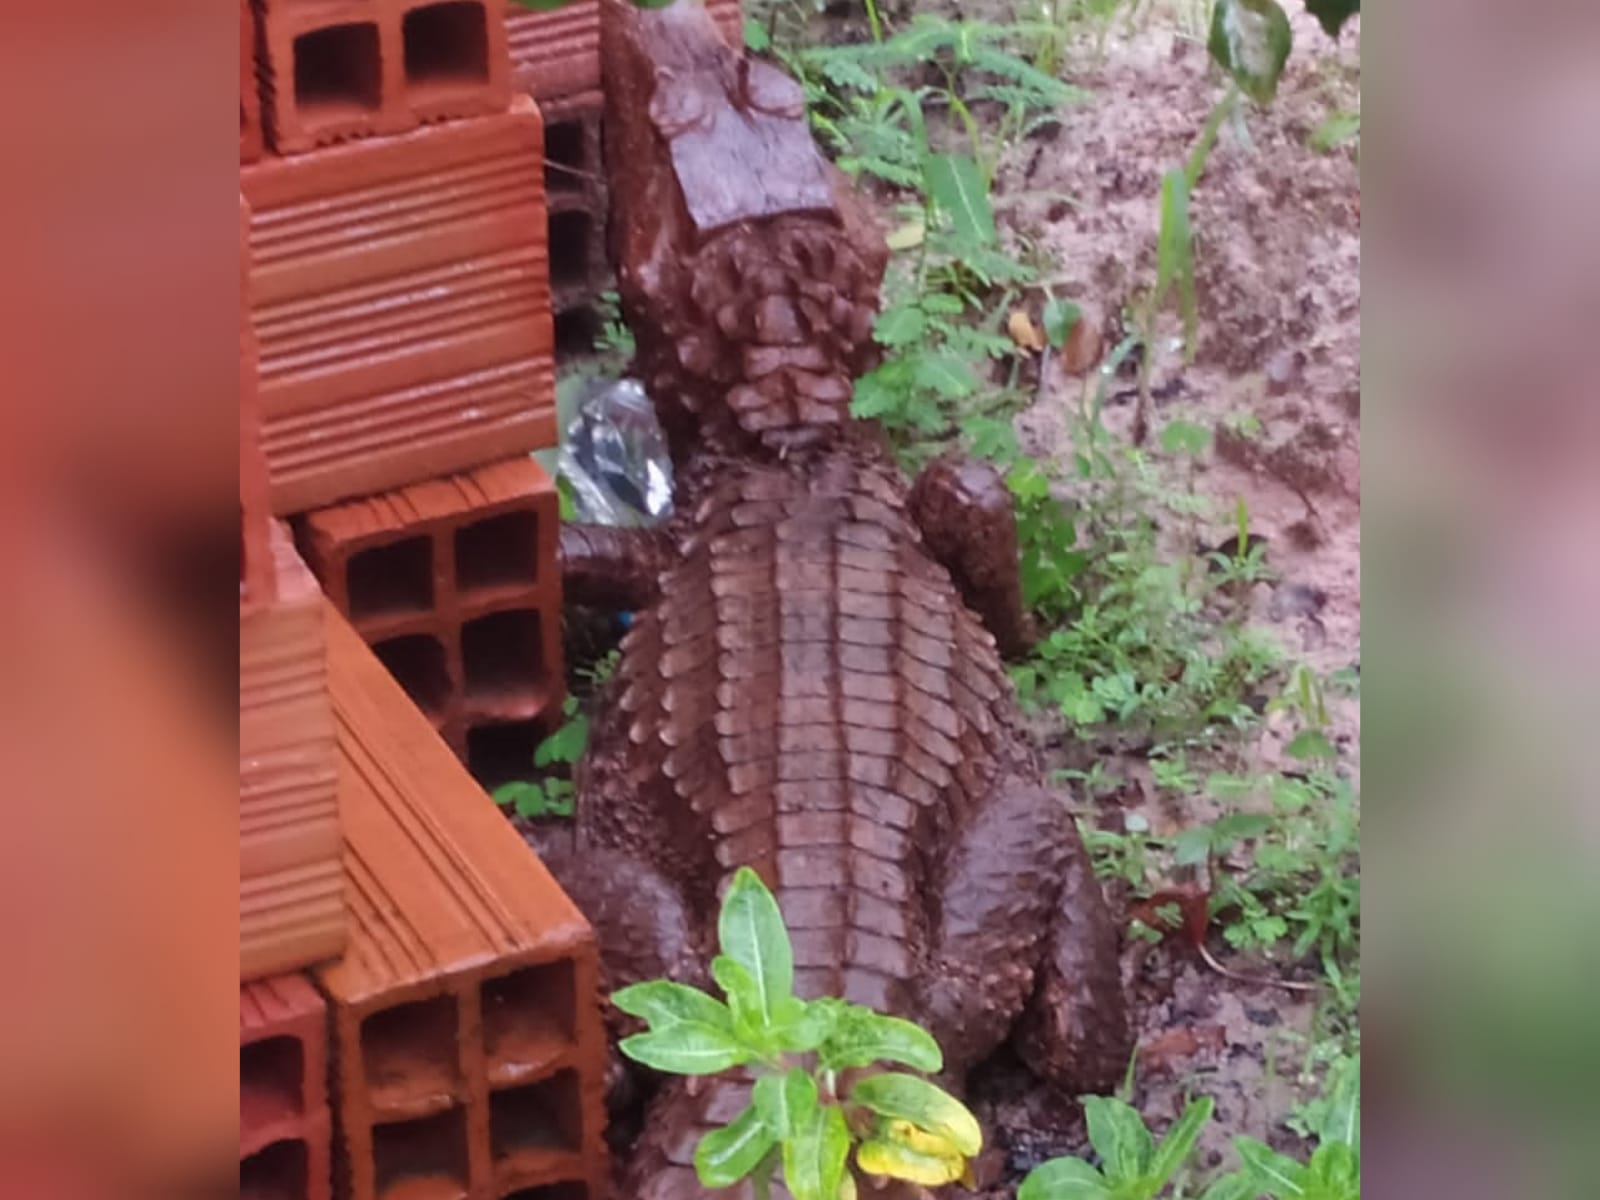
[964, 510]
[617, 570]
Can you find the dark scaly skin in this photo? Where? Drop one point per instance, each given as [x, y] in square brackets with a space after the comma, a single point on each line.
[814, 692]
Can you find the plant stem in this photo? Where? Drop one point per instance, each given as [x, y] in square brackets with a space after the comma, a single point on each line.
[872, 20]
[1208, 134]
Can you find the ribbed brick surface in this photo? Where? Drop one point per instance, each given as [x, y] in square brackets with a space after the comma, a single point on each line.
[250, 138]
[400, 295]
[285, 1130]
[455, 585]
[555, 54]
[335, 69]
[468, 1045]
[257, 575]
[291, 902]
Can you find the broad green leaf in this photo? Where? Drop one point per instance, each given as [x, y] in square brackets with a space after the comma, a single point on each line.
[1333, 13]
[1271, 1171]
[565, 745]
[1238, 1186]
[1059, 318]
[725, 1156]
[908, 1098]
[899, 1150]
[801, 1026]
[1180, 1141]
[1334, 1172]
[1064, 1179]
[1118, 1134]
[1310, 743]
[1341, 1122]
[862, 1037]
[956, 186]
[744, 997]
[814, 1156]
[1250, 40]
[1237, 826]
[686, 1049]
[752, 934]
[663, 1004]
[787, 1102]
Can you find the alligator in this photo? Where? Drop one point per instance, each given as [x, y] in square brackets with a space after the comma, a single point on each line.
[813, 683]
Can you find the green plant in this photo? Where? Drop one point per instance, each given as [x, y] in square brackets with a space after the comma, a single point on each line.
[1334, 1169]
[801, 1120]
[551, 795]
[1133, 1166]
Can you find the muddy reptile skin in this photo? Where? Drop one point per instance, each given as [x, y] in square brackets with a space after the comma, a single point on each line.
[813, 685]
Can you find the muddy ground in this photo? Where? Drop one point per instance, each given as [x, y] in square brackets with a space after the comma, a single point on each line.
[1278, 244]
[1278, 251]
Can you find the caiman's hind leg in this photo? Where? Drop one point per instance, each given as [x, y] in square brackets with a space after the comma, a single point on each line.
[1076, 1031]
[997, 886]
[965, 513]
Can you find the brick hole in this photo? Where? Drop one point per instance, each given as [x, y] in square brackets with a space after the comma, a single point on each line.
[422, 1160]
[276, 1172]
[498, 551]
[503, 751]
[410, 1051]
[539, 1116]
[553, 1191]
[418, 663]
[397, 578]
[337, 72]
[569, 249]
[271, 1081]
[577, 331]
[447, 46]
[529, 1017]
[565, 160]
[502, 656]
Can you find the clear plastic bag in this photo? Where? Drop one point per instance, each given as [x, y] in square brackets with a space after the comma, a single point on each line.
[615, 457]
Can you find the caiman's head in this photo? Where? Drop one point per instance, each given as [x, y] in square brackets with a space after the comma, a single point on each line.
[748, 270]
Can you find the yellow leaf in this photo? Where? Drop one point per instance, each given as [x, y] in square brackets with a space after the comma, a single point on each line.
[916, 1163]
[1023, 331]
[908, 236]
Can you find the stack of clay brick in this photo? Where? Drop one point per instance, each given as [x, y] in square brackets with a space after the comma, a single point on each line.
[555, 59]
[418, 1010]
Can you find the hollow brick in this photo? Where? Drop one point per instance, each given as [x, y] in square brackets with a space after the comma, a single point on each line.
[467, 1039]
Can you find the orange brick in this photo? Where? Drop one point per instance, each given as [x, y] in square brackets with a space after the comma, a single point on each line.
[468, 1044]
[291, 895]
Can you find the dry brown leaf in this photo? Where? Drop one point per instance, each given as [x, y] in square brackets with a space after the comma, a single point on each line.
[1024, 332]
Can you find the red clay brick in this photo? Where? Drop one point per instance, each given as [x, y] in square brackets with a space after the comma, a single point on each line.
[256, 574]
[468, 1046]
[454, 584]
[283, 1061]
[400, 294]
[291, 894]
[338, 69]
[557, 53]
[250, 137]
[295, 1168]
